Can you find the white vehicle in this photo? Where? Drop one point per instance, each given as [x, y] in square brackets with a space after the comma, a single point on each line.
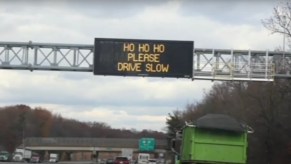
[21, 155]
[143, 158]
[152, 161]
[54, 158]
[127, 153]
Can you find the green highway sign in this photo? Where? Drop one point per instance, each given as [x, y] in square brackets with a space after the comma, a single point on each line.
[147, 144]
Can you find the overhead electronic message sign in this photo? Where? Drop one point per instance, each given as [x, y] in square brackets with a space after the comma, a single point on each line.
[154, 58]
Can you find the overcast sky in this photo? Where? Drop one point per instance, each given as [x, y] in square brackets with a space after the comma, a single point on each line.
[124, 102]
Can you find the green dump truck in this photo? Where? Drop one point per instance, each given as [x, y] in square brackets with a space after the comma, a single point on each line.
[214, 139]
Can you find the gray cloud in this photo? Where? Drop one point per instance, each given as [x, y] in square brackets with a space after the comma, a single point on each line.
[127, 93]
[234, 12]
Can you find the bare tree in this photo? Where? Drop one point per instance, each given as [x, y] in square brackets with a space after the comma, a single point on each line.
[280, 22]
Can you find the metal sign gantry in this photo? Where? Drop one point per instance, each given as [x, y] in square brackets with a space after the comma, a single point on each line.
[208, 64]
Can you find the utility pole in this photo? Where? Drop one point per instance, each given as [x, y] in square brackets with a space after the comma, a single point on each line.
[23, 131]
[284, 26]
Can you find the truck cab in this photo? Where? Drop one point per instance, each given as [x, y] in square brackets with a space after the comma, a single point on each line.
[17, 157]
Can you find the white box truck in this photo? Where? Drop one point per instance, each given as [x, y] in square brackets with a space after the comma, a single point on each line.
[21, 155]
[54, 158]
[143, 158]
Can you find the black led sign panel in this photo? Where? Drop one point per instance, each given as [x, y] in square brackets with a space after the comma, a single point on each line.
[153, 58]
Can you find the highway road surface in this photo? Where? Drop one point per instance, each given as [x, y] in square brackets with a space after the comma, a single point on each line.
[61, 162]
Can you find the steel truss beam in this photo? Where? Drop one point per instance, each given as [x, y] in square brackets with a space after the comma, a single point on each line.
[41, 56]
[224, 64]
[208, 64]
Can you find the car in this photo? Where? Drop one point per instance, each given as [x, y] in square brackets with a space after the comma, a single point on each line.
[102, 161]
[35, 159]
[110, 161]
[152, 161]
[121, 160]
[5, 156]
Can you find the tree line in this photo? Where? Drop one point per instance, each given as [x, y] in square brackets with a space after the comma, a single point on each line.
[21, 121]
[265, 106]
